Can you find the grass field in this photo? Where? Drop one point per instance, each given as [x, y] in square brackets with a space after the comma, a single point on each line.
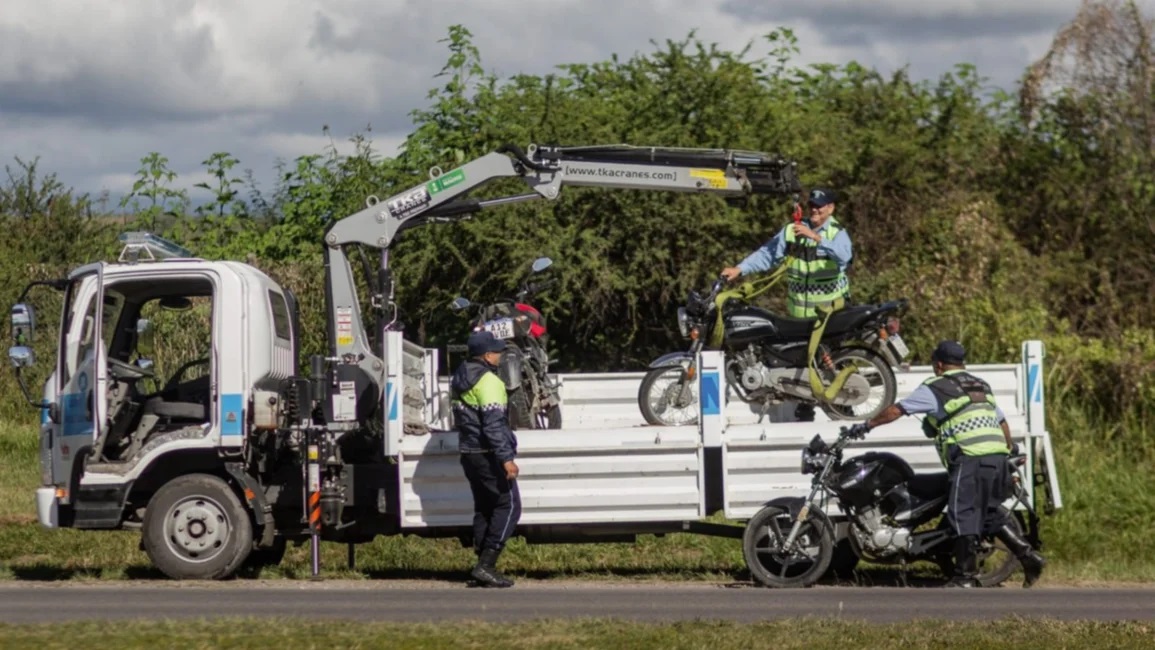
[814, 634]
[1107, 517]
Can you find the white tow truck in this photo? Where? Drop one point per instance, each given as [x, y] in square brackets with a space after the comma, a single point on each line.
[224, 466]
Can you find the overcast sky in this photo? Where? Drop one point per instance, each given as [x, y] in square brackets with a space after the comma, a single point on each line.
[91, 86]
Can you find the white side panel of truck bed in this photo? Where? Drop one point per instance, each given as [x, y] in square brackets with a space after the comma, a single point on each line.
[568, 477]
[608, 466]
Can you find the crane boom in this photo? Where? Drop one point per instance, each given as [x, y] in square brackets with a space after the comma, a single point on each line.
[733, 174]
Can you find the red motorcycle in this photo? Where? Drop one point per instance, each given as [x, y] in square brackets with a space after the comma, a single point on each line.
[534, 396]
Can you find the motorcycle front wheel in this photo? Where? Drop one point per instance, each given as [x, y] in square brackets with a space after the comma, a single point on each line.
[877, 372]
[770, 564]
[668, 398]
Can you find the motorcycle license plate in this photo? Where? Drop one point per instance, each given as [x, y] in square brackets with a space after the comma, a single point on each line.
[502, 328]
[899, 346]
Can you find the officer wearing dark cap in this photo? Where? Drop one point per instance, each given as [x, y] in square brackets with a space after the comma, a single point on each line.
[820, 254]
[973, 440]
[488, 448]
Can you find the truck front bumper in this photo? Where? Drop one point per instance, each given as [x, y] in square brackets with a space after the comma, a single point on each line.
[47, 508]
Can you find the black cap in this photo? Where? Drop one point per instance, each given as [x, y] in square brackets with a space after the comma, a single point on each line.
[484, 341]
[951, 352]
[820, 197]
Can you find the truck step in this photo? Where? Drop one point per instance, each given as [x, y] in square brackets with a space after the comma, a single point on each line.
[99, 507]
[96, 515]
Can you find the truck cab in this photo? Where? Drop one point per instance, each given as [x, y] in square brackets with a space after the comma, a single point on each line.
[146, 384]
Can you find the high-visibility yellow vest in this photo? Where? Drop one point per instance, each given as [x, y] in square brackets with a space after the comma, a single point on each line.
[812, 281]
[971, 421]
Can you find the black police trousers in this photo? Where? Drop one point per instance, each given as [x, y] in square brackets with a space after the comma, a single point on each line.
[978, 486]
[496, 501]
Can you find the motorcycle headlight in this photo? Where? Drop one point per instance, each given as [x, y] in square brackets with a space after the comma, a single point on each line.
[806, 458]
[683, 322]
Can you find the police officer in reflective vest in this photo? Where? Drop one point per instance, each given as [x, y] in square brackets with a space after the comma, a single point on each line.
[820, 254]
[488, 448]
[973, 440]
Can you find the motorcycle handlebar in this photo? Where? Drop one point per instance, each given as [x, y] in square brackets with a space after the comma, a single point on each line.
[717, 286]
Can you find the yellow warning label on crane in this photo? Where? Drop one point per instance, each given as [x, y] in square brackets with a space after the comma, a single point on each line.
[715, 177]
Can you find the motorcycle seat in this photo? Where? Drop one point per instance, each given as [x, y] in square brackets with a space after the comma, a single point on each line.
[928, 486]
[842, 321]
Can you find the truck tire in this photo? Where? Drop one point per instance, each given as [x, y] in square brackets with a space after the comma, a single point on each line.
[195, 528]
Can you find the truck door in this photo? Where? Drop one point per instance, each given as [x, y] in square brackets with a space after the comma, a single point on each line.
[82, 373]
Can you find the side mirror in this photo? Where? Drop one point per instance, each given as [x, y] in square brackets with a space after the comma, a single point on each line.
[23, 318]
[460, 303]
[541, 264]
[21, 356]
[144, 337]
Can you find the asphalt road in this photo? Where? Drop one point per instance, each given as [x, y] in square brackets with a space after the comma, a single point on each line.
[440, 602]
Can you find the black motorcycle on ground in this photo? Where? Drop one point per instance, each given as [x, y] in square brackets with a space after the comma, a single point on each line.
[769, 359]
[534, 396]
[887, 511]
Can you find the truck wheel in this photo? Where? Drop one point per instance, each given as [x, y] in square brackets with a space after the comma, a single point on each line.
[195, 528]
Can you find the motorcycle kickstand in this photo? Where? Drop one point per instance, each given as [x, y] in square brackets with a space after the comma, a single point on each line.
[763, 411]
[902, 571]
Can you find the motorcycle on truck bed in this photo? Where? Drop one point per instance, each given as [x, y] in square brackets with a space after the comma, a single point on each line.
[534, 400]
[842, 362]
[223, 460]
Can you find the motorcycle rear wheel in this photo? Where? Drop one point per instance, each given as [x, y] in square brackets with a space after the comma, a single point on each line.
[769, 565]
[996, 562]
[520, 416]
[883, 384]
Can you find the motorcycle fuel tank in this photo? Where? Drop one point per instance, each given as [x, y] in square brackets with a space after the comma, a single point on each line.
[748, 324]
[876, 471]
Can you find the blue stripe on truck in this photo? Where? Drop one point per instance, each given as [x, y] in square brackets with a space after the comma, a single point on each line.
[232, 414]
[711, 399]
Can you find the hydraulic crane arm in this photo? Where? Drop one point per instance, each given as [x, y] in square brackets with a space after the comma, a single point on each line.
[546, 169]
[728, 173]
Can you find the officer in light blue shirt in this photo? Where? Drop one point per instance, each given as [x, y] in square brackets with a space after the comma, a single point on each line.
[817, 275]
[817, 227]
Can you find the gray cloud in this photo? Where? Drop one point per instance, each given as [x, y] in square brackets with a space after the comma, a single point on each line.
[91, 89]
[910, 21]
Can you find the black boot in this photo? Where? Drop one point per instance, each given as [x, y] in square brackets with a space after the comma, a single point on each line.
[965, 563]
[485, 573]
[1030, 559]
